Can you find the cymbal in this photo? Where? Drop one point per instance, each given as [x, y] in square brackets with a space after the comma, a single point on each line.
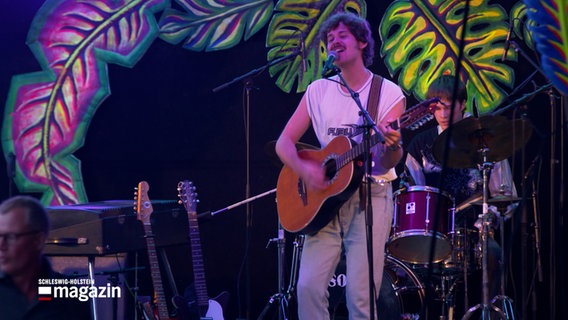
[498, 135]
[499, 200]
[270, 150]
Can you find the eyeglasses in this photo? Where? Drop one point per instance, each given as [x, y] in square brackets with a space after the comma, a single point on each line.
[11, 238]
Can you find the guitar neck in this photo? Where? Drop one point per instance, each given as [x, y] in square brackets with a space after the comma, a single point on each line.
[197, 258]
[412, 119]
[355, 152]
[159, 296]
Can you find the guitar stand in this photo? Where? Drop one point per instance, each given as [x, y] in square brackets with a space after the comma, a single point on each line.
[91, 264]
[485, 306]
[282, 298]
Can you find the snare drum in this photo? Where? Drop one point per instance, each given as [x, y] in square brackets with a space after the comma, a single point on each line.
[413, 224]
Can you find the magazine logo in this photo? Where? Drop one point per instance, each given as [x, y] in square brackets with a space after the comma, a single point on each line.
[73, 291]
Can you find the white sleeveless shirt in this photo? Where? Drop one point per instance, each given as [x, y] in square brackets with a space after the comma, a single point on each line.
[333, 111]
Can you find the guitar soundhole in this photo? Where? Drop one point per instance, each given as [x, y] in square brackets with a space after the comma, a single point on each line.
[330, 167]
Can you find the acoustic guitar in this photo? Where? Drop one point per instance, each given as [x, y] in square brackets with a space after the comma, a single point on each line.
[301, 209]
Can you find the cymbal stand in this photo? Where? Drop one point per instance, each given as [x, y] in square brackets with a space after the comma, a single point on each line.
[485, 306]
[507, 303]
[282, 298]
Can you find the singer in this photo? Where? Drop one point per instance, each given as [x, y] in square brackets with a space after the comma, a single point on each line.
[330, 109]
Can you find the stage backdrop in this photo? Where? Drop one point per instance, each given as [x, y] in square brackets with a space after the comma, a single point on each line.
[99, 96]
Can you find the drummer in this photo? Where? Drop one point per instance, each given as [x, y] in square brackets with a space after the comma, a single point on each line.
[463, 184]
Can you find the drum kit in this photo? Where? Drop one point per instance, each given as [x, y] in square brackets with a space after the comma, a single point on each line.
[424, 231]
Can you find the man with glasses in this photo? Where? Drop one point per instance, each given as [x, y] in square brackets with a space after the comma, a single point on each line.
[24, 226]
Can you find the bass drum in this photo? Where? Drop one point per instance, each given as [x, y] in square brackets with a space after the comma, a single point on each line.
[401, 295]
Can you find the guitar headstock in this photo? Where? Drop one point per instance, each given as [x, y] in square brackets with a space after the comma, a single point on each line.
[143, 206]
[418, 115]
[187, 195]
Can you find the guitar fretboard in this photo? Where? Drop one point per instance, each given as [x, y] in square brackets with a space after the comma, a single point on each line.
[197, 256]
[159, 296]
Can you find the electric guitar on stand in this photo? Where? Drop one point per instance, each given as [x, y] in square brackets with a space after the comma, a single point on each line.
[144, 210]
[205, 308]
[303, 210]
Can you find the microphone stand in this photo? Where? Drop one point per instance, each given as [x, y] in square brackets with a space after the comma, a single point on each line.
[520, 100]
[255, 71]
[368, 124]
[248, 83]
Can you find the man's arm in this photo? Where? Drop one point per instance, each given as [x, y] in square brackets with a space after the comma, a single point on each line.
[391, 151]
[311, 172]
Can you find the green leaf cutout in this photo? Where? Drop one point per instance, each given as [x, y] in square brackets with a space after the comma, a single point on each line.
[296, 24]
[420, 41]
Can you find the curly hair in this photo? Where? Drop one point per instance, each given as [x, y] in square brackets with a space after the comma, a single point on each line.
[358, 26]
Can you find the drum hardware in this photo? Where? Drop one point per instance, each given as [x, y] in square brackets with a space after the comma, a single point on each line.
[502, 202]
[486, 306]
[468, 203]
[476, 138]
[447, 294]
[478, 142]
[282, 298]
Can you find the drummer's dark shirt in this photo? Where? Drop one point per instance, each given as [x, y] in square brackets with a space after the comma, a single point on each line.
[459, 183]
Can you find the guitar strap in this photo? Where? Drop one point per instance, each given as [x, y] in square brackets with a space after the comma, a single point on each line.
[373, 109]
[373, 101]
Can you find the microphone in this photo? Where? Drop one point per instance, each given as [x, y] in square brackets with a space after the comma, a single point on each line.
[507, 41]
[328, 64]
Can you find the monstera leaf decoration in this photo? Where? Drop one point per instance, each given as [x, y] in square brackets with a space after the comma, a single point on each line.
[550, 33]
[421, 39]
[213, 25]
[519, 20]
[293, 37]
[48, 112]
